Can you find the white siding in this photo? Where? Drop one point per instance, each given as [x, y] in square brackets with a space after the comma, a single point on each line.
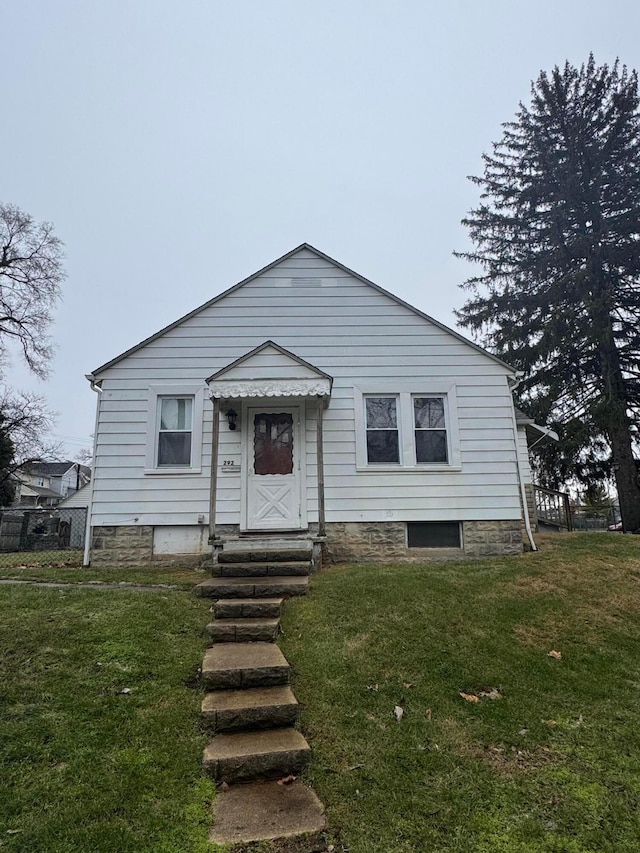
[355, 334]
[523, 456]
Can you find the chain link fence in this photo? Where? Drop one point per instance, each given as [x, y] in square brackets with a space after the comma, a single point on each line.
[604, 516]
[42, 537]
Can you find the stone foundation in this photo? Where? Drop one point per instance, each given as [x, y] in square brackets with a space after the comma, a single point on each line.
[492, 538]
[347, 542]
[531, 506]
[386, 542]
[122, 546]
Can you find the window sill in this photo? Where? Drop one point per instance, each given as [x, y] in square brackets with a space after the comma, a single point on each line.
[169, 470]
[385, 469]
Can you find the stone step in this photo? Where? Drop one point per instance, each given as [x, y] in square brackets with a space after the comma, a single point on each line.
[270, 587]
[265, 548]
[267, 811]
[253, 708]
[232, 666]
[266, 569]
[244, 630]
[247, 756]
[250, 608]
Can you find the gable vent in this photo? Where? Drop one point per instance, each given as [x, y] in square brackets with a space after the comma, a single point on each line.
[306, 282]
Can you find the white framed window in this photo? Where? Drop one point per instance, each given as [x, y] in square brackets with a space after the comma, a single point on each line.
[430, 430]
[174, 430]
[406, 427]
[381, 423]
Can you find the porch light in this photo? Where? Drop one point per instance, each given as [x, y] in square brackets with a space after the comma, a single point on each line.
[232, 417]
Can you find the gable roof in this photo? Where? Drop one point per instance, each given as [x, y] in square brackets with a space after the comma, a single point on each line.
[266, 345]
[308, 247]
[54, 469]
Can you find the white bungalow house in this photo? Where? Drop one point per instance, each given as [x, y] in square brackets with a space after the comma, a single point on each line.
[308, 401]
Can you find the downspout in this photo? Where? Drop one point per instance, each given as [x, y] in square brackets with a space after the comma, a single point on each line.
[87, 535]
[513, 384]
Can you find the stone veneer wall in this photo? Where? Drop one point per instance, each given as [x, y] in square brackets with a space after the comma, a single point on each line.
[355, 542]
[386, 542]
[130, 545]
[531, 506]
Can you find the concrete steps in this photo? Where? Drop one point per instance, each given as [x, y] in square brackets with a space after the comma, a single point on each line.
[249, 608]
[267, 811]
[233, 666]
[262, 569]
[249, 705]
[244, 630]
[255, 708]
[252, 587]
[256, 549]
[246, 756]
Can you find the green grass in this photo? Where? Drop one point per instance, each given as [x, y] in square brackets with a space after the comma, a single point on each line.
[31, 559]
[550, 766]
[85, 766]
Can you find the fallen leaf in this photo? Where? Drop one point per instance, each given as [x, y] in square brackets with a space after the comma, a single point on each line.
[429, 714]
[398, 712]
[287, 780]
[469, 697]
[372, 687]
[523, 731]
[407, 684]
[355, 767]
[551, 723]
[554, 654]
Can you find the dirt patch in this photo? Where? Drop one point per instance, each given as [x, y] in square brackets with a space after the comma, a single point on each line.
[511, 761]
[507, 761]
[357, 642]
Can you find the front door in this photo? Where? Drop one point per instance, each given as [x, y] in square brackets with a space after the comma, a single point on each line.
[273, 487]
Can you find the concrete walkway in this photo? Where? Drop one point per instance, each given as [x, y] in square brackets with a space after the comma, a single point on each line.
[99, 585]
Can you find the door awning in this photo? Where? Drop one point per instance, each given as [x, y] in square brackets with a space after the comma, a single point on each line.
[269, 370]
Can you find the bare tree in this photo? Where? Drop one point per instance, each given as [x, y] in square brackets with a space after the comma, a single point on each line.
[31, 272]
[25, 422]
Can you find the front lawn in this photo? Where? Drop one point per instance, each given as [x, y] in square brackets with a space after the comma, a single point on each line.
[547, 761]
[99, 713]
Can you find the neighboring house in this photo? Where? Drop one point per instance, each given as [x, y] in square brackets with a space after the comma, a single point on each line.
[307, 398]
[45, 484]
[29, 495]
[80, 498]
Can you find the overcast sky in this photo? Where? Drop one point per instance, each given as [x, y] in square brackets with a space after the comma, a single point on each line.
[180, 146]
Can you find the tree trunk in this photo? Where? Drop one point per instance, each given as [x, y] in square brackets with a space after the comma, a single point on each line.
[613, 406]
[626, 474]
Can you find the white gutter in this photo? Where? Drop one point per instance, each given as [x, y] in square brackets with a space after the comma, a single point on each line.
[87, 535]
[523, 494]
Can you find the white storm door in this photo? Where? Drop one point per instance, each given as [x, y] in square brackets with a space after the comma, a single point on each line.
[273, 485]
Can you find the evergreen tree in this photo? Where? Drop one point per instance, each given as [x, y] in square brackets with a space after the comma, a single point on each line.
[557, 240]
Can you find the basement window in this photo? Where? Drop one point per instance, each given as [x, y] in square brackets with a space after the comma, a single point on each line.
[433, 534]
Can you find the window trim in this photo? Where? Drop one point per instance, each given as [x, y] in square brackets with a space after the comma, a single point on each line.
[156, 393]
[397, 430]
[405, 393]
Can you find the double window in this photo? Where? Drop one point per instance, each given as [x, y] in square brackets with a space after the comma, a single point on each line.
[408, 429]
